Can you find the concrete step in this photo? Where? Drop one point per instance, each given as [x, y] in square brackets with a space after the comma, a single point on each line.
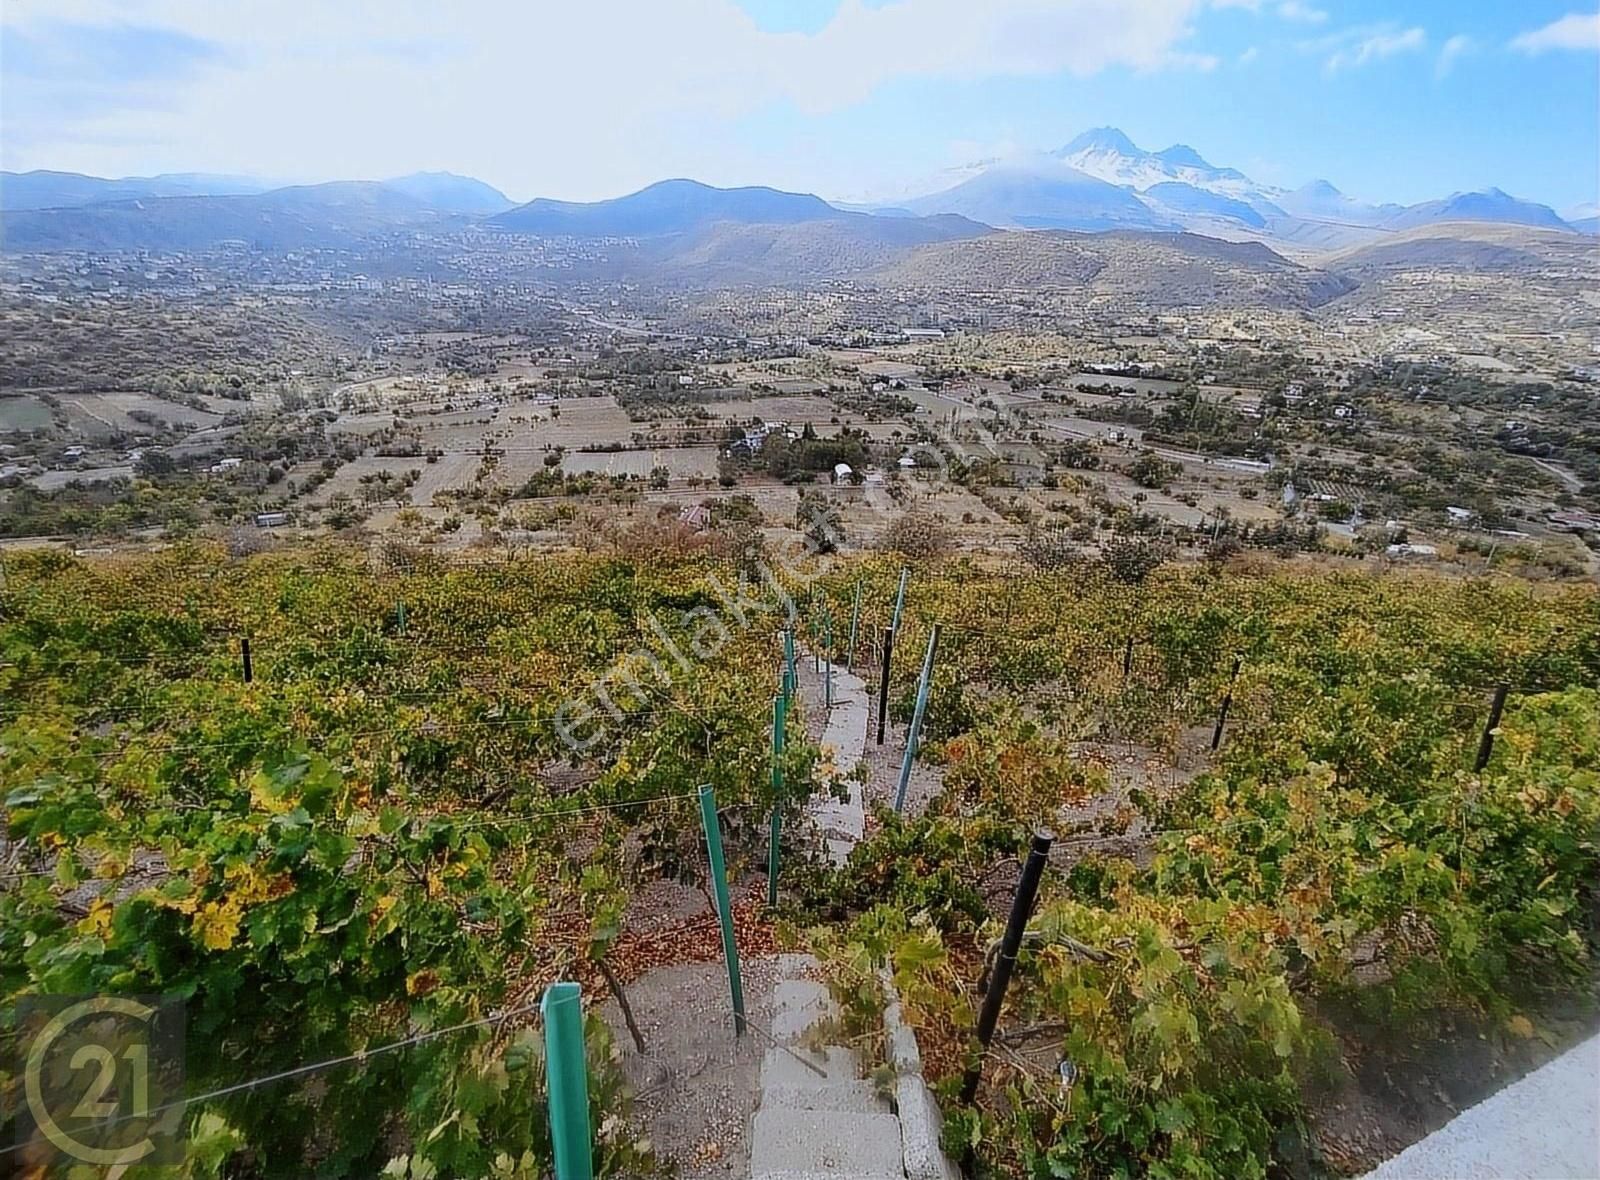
[794, 966]
[779, 1068]
[801, 993]
[860, 1097]
[824, 1143]
[790, 1025]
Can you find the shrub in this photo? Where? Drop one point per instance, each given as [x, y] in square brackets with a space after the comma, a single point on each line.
[918, 534]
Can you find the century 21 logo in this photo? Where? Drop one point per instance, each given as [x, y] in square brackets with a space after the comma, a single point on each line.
[102, 1080]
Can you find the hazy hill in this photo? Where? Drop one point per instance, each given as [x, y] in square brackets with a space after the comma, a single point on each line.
[1489, 205]
[451, 193]
[331, 215]
[1051, 196]
[667, 207]
[48, 190]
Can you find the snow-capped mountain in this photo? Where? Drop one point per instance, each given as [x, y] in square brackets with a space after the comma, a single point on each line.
[1103, 180]
[1111, 156]
[1320, 201]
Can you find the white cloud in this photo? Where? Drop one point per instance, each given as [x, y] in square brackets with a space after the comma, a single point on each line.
[1250, 5]
[575, 99]
[1249, 55]
[1357, 47]
[1456, 47]
[1300, 11]
[1578, 30]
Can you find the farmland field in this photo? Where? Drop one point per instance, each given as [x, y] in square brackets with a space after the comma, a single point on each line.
[23, 413]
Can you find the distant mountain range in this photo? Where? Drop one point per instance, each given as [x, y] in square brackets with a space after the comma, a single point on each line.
[443, 191]
[333, 215]
[1099, 182]
[55, 190]
[666, 207]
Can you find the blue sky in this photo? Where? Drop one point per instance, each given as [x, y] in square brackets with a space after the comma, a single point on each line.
[1401, 100]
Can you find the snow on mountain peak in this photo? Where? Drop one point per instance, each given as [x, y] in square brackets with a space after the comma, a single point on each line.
[1102, 139]
[1109, 155]
[1181, 155]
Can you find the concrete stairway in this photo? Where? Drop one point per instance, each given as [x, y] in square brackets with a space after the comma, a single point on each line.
[807, 1126]
[844, 741]
[811, 1125]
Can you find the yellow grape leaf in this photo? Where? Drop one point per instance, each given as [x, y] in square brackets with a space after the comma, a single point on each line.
[98, 919]
[1520, 1026]
[217, 924]
[184, 905]
[264, 796]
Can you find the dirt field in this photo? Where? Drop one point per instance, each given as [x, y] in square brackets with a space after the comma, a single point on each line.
[96, 415]
[49, 481]
[680, 462]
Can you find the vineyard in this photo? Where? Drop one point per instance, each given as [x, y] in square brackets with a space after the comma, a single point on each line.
[333, 805]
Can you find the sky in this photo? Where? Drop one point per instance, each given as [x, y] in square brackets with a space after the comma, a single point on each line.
[1396, 100]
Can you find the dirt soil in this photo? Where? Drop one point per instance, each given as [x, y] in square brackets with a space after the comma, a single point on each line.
[883, 770]
[696, 1085]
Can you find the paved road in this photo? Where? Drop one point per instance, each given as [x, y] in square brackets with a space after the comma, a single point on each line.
[1545, 1127]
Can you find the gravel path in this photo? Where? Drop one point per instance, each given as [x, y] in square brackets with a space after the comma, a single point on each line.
[696, 1084]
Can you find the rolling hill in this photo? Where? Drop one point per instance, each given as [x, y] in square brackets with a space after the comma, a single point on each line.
[1472, 247]
[1158, 269]
[774, 253]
